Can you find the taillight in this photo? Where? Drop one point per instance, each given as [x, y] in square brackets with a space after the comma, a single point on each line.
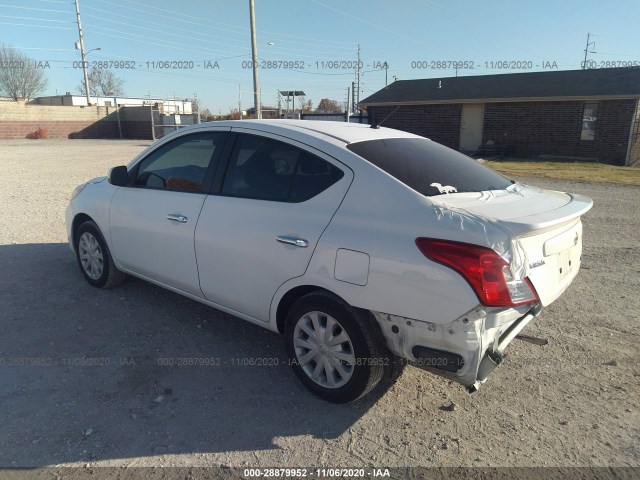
[486, 272]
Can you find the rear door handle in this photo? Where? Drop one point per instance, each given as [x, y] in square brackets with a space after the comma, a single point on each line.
[296, 242]
[177, 218]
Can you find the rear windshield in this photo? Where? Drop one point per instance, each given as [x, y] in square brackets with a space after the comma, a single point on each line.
[428, 167]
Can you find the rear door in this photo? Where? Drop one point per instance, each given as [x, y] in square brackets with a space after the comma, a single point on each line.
[262, 226]
[153, 221]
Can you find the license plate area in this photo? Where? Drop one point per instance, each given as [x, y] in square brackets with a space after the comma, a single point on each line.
[565, 264]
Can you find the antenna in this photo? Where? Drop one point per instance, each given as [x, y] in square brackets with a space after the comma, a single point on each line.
[586, 50]
[377, 125]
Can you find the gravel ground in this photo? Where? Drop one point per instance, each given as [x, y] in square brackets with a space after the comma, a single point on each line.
[574, 402]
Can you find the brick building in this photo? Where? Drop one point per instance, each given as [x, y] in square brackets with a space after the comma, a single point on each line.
[592, 114]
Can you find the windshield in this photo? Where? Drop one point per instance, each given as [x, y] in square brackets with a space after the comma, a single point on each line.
[428, 167]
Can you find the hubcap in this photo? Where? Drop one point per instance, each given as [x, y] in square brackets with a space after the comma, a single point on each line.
[90, 255]
[324, 350]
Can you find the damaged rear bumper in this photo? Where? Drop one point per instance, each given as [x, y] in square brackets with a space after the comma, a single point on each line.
[466, 350]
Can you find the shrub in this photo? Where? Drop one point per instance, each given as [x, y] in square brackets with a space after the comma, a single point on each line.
[38, 134]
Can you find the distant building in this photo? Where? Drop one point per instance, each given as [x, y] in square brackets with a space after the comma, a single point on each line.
[164, 106]
[591, 114]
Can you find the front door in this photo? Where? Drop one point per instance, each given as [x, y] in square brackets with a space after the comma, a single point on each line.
[152, 221]
[261, 230]
[471, 127]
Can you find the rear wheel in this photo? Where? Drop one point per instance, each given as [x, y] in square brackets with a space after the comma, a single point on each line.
[333, 349]
[94, 258]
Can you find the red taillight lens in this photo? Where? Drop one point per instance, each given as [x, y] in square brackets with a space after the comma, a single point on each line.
[487, 272]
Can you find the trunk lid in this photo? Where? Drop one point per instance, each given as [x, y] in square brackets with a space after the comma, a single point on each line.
[545, 223]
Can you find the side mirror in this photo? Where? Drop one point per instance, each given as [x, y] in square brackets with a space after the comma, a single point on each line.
[119, 176]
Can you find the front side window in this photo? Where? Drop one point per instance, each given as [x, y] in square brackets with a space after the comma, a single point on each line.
[267, 169]
[428, 167]
[589, 117]
[181, 164]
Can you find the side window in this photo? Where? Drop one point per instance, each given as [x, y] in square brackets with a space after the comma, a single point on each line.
[589, 117]
[181, 164]
[267, 169]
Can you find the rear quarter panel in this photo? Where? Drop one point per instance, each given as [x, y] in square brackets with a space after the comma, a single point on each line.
[382, 218]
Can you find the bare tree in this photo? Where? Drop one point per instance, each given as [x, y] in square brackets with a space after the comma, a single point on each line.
[307, 105]
[327, 105]
[103, 82]
[20, 76]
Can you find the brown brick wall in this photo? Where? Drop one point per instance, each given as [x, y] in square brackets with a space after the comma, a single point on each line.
[634, 156]
[18, 119]
[525, 129]
[553, 128]
[440, 123]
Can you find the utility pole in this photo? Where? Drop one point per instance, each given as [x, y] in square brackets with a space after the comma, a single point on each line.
[254, 60]
[357, 92]
[84, 62]
[353, 97]
[239, 103]
[348, 103]
[386, 71]
[586, 50]
[279, 103]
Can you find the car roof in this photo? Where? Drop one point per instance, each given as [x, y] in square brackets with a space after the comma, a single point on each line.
[342, 131]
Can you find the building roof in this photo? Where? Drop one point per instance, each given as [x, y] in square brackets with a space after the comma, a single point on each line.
[568, 84]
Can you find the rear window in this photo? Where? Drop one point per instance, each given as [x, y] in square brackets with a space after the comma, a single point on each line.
[428, 167]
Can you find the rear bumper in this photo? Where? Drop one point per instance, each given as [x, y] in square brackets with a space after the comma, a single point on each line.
[466, 350]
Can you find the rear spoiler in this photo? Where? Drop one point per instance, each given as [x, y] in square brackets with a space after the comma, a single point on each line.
[534, 224]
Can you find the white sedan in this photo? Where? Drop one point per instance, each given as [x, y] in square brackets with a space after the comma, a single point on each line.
[367, 247]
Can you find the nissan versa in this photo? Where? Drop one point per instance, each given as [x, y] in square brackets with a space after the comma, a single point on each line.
[366, 247]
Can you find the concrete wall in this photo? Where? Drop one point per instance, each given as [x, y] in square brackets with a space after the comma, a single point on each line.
[18, 119]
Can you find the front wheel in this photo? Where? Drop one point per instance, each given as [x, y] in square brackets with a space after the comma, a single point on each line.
[94, 258]
[333, 348]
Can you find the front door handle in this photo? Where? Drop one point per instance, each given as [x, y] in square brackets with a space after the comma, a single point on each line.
[296, 242]
[177, 218]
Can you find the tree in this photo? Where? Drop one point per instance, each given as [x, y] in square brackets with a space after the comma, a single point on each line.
[103, 82]
[307, 105]
[327, 105]
[20, 77]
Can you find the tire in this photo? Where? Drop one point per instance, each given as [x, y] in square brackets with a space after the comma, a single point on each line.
[342, 370]
[94, 257]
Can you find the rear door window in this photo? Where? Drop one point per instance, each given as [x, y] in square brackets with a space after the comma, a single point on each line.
[267, 169]
[428, 167]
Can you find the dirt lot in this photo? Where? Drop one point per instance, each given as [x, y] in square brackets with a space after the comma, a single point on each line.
[572, 403]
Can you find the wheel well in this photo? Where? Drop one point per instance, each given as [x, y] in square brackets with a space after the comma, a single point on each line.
[77, 221]
[291, 297]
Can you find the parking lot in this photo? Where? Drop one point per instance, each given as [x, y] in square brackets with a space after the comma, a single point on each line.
[140, 376]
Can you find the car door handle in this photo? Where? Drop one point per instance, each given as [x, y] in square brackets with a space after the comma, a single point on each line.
[177, 218]
[296, 242]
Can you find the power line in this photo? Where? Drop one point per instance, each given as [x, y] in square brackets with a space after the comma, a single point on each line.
[166, 43]
[201, 23]
[36, 19]
[369, 23]
[34, 8]
[155, 30]
[36, 26]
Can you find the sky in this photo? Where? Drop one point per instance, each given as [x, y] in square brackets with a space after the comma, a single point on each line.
[202, 48]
